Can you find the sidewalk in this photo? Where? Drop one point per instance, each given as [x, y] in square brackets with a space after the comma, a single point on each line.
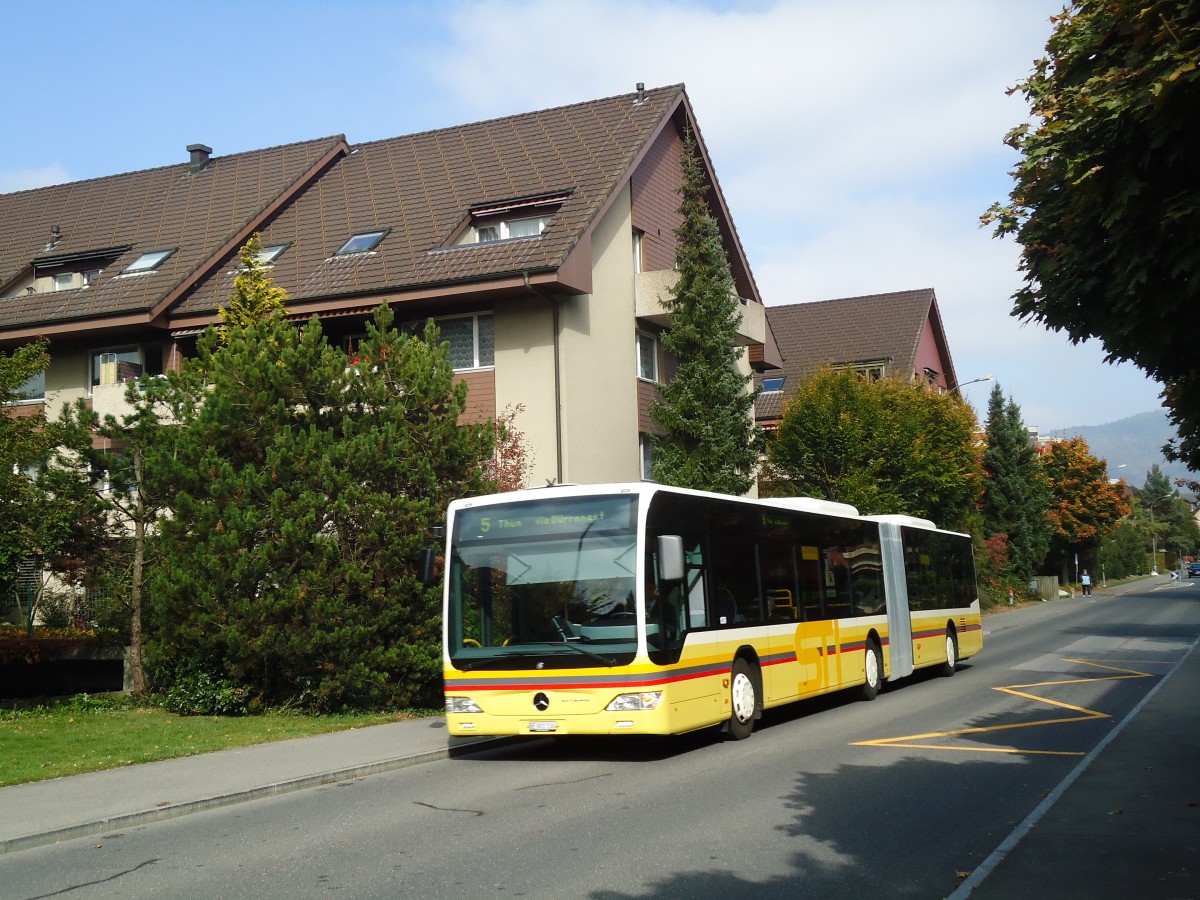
[1126, 822]
[43, 812]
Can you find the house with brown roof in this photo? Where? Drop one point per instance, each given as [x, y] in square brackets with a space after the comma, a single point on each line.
[542, 244]
[880, 335]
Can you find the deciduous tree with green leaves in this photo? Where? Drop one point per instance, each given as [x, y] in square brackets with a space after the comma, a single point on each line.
[711, 439]
[1165, 517]
[1106, 201]
[1015, 494]
[305, 485]
[112, 542]
[38, 502]
[886, 446]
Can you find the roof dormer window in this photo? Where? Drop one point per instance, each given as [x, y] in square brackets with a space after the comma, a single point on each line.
[510, 229]
[509, 220]
[148, 262]
[361, 242]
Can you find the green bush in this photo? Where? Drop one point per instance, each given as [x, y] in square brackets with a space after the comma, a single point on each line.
[197, 693]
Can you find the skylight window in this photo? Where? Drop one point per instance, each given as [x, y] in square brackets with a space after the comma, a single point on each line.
[362, 242]
[267, 254]
[148, 262]
[772, 384]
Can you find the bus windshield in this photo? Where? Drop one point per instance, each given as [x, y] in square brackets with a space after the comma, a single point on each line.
[549, 583]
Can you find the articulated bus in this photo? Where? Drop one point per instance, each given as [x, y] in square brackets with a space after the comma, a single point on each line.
[644, 609]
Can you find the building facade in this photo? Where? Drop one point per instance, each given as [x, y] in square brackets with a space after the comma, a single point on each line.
[542, 244]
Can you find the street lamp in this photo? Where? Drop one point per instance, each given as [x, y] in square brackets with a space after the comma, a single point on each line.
[962, 384]
[1150, 501]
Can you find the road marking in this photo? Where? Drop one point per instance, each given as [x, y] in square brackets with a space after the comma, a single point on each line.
[913, 741]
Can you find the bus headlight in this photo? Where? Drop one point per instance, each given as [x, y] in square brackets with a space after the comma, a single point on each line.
[461, 705]
[627, 702]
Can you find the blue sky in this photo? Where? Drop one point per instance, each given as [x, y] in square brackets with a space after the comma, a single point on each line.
[856, 144]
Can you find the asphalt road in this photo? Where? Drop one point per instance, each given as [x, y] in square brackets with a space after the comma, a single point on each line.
[900, 797]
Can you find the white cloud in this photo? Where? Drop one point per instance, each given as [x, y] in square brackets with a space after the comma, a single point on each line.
[857, 145]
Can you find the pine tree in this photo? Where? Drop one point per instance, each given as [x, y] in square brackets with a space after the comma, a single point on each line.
[305, 488]
[710, 441]
[1015, 496]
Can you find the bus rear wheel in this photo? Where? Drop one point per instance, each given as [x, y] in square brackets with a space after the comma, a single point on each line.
[743, 700]
[873, 670]
[950, 666]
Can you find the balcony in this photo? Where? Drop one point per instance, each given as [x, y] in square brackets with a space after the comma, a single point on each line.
[651, 288]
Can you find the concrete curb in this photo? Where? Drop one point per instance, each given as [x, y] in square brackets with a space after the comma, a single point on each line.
[174, 810]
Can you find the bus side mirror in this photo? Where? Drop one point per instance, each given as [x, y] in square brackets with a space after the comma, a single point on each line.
[670, 557]
[427, 559]
[426, 565]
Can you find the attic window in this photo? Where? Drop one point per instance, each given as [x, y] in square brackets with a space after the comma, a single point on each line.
[510, 229]
[361, 242]
[771, 385]
[507, 220]
[148, 262]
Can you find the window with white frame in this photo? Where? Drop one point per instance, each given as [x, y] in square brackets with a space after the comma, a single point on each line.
[638, 239]
[471, 338]
[772, 384]
[116, 366]
[33, 390]
[64, 281]
[510, 229]
[647, 451]
[647, 356]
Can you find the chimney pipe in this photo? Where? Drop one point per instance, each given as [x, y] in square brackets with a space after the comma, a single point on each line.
[200, 154]
[641, 89]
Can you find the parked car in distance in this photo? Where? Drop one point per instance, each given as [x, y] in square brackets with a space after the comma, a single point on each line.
[1193, 569]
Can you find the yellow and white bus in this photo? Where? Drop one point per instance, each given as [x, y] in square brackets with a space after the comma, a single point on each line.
[644, 609]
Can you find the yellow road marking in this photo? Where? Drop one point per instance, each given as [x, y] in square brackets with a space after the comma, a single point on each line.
[1018, 690]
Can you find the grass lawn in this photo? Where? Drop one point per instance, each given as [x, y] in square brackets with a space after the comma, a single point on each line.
[76, 737]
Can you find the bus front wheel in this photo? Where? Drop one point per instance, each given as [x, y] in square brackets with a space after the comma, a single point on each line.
[873, 670]
[743, 700]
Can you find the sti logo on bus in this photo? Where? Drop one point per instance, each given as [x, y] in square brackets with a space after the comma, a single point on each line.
[541, 702]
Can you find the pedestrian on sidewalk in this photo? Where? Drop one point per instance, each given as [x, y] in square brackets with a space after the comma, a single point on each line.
[1086, 579]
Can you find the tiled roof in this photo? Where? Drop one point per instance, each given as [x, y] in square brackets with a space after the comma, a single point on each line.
[314, 195]
[147, 210]
[421, 186]
[875, 328]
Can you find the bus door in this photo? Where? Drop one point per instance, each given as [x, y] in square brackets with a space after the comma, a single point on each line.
[814, 634]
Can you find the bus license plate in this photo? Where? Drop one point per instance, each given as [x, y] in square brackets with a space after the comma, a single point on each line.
[543, 726]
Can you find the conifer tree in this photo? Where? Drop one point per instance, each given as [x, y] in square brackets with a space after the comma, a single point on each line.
[1015, 495]
[255, 295]
[710, 441]
[305, 486]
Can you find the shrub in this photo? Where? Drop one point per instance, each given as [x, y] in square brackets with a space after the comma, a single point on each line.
[195, 692]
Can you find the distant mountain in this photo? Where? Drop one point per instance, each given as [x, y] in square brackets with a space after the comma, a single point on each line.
[1135, 442]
